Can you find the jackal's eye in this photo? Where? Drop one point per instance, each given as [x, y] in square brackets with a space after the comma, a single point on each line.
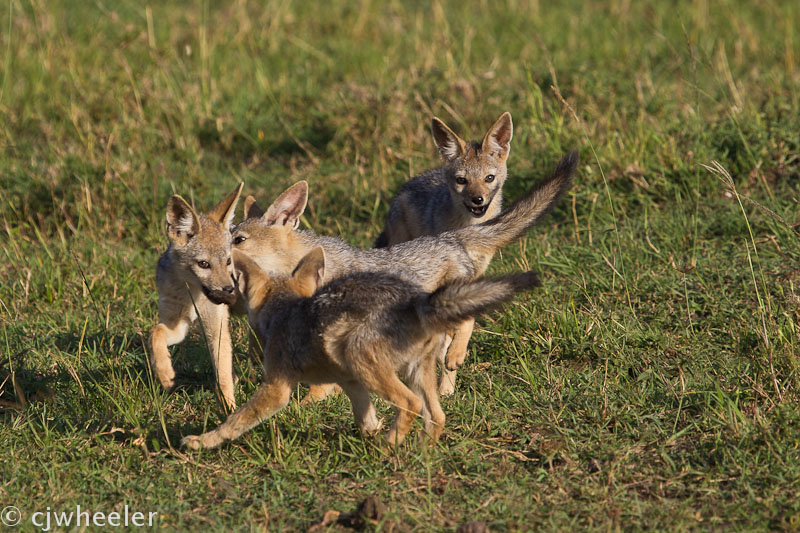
[489, 178]
[203, 264]
[461, 181]
[228, 262]
[239, 240]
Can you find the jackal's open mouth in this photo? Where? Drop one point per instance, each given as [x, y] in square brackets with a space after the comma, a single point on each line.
[477, 211]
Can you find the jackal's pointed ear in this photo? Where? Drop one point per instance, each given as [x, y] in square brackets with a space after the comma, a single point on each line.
[497, 140]
[287, 208]
[182, 221]
[449, 144]
[223, 211]
[309, 273]
[251, 208]
[249, 277]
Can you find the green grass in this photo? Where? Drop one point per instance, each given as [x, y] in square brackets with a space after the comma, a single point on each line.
[652, 383]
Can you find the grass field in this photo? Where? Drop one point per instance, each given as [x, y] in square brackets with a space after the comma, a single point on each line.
[652, 383]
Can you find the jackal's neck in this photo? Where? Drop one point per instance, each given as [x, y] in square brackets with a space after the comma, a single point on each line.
[302, 243]
[280, 253]
[340, 257]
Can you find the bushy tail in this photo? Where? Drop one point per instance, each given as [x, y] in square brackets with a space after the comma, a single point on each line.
[455, 302]
[515, 220]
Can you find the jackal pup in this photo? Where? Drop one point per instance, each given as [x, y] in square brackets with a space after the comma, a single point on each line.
[358, 331]
[466, 190]
[195, 278]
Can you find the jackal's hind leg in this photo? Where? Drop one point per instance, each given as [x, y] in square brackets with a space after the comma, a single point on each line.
[407, 405]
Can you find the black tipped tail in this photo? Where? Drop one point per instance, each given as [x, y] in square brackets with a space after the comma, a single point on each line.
[455, 302]
[382, 241]
[521, 281]
[568, 164]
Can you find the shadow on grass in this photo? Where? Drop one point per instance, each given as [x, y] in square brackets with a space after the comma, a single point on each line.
[240, 144]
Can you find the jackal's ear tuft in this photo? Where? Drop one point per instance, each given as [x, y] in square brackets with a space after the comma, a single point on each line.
[309, 272]
[251, 208]
[449, 144]
[223, 211]
[288, 207]
[182, 221]
[497, 140]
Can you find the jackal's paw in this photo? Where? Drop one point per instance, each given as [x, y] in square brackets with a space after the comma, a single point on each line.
[453, 361]
[446, 388]
[393, 438]
[167, 382]
[193, 442]
[372, 426]
[309, 399]
[432, 435]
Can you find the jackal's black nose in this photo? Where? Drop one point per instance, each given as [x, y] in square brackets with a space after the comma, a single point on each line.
[477, 200]
[229, 289]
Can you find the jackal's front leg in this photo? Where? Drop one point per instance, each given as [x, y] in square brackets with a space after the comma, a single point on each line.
[363, 409]
[457, 351]
[215, 322]
[271, 397]
[170, 330]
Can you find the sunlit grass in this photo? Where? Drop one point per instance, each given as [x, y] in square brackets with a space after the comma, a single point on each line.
[651, 383]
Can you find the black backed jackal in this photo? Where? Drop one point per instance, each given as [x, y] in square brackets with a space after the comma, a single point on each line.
[359, 331]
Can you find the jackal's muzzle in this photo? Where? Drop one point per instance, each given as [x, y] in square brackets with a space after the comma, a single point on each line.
[226, 295]
[477, 208]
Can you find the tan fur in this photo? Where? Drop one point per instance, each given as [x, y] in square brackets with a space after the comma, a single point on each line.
[429, 261]
[195, 279]
[359, 331]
